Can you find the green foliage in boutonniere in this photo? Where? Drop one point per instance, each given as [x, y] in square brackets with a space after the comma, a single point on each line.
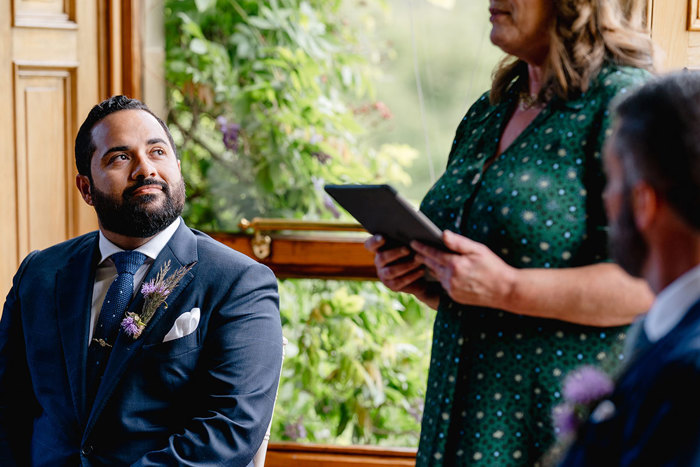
[154, 292]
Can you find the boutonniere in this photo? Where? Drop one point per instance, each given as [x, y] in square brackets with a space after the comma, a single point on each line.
[584, 393]
[583, 389]
[154, 292]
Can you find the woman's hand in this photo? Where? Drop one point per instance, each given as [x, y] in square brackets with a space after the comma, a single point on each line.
[399, 271]
[472, 275]
[594, 295]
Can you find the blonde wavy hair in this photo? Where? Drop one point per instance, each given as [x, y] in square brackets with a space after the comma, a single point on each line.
[583, 35]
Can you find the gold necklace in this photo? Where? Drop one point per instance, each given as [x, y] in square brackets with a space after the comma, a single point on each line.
[527, 101]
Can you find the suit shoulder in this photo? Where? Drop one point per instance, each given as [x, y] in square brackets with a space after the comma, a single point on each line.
[59, 253]
[216, 255]
[677, 355]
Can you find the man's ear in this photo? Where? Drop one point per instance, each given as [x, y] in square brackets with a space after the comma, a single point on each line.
[645, 205]
[83, 184]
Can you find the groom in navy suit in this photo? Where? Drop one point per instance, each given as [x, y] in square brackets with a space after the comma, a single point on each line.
[144, 343]
[653, 201]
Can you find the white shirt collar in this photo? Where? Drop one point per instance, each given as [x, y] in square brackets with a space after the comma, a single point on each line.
[151, 248]
[671, 304]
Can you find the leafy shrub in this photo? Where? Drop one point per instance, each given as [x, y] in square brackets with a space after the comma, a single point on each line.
[267, 99]
[355, 365]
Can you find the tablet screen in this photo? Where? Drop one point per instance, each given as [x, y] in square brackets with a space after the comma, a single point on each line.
[381, 210]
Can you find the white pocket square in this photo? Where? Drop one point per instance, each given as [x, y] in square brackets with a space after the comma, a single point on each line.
[185, 324]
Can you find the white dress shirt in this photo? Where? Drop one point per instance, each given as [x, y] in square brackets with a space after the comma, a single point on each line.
[106, 270]
[671, 304]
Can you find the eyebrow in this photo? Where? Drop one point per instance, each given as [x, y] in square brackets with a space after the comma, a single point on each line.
[156, 140]
[115, 149]
[126, 148]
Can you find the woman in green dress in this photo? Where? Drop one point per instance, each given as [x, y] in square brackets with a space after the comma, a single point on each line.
[527, 294]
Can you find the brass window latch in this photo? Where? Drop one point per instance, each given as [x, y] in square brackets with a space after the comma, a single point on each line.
[261, 242]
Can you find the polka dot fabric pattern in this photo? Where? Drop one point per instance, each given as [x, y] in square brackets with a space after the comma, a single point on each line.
[494, 375]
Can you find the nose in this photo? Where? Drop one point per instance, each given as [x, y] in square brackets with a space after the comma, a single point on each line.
[143, 167]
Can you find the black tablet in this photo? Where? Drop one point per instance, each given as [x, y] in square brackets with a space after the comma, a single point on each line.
[381, 210]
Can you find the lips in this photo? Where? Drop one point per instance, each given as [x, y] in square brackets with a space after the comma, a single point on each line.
[146, 187]
[495, 11]
[146, 190]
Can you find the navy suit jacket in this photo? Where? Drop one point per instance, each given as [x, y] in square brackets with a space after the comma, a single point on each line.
[203, 399]
[657, 408]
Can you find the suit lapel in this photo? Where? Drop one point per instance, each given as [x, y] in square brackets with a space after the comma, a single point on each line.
[73, 298]
[181, 250]
[654, 353]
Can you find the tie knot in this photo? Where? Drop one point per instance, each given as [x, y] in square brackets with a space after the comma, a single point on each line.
[128, 261]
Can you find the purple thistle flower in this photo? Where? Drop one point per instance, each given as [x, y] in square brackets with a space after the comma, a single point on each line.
[148, 288]
[130, 327]
[586, 385]
[230, 132]
[565, 420]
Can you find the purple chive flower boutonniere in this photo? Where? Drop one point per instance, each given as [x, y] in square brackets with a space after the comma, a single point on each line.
[154, 292]
[583, 389]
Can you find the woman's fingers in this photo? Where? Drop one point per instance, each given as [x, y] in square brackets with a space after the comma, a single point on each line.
[384, 258]
[459, 243]
[394, 270]
[402, 282]
[431, 262]
[396, 267]
[374, 243]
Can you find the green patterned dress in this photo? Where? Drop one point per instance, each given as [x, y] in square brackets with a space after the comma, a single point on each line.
[495, 375]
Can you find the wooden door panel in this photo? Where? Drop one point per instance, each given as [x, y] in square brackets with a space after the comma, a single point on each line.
[44, 123]
[45, 46]
[49, 78]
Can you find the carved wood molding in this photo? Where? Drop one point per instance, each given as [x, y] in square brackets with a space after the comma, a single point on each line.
[52, 14]
[693, 15]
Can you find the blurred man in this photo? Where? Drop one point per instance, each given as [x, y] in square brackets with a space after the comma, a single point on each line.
[145, 342]
[653, 201]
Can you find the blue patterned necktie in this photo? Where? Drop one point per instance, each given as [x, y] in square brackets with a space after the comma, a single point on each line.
[112, 312]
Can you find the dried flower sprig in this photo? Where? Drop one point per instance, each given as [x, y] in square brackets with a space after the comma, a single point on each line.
[154, 292]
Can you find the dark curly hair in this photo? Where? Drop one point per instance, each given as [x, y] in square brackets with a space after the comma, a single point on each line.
[84, 145]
